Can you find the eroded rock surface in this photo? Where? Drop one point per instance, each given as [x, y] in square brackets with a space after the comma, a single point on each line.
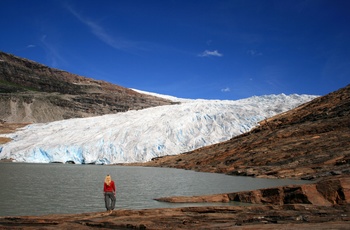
[327, 192]
[291, 216]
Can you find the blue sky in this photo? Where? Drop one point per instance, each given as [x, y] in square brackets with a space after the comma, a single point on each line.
[210, 49]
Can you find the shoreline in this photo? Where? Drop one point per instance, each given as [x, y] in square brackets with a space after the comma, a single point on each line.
[300, 216]
[321, 205]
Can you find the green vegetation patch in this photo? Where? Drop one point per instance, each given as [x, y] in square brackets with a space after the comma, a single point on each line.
[11, 87]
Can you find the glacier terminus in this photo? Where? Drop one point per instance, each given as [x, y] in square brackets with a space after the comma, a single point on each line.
[140, 135]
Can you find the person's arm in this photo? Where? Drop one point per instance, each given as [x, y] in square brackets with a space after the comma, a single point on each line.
[114, 188]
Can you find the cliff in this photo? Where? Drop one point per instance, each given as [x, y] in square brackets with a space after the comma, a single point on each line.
[32, 92]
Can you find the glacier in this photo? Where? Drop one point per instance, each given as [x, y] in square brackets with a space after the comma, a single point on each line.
[140, 135]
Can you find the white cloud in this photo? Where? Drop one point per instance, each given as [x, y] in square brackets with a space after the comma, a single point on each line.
[31, 46]
[208, 53]
[227, 89]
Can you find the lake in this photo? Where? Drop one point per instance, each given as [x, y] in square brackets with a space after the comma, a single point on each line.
[38, 189]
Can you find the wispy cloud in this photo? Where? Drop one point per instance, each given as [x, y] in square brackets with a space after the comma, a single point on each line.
[208, 53]
[254, 53]
[101, 33]
[31, 46]
[227, 89]
[52, 53]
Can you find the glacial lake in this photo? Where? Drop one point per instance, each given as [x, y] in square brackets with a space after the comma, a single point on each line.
[39, 189]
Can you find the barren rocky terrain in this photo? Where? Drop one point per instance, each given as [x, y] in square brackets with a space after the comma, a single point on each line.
[310, 142]
[32, 92]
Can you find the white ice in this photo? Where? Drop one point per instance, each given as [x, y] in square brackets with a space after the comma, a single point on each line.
[139, 136]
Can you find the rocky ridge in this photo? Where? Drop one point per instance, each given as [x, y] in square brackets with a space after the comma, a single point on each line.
[326, 192]
[32, 92]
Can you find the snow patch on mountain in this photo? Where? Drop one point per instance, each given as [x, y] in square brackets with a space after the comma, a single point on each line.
[171, 98]
[139, 136]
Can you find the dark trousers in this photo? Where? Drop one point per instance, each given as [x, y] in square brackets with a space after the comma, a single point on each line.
[109, 200]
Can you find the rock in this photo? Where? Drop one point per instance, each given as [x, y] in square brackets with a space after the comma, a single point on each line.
[336, 172]
[336, 191]
[224, 198]
[32, 92]
[327, 192]
[291, 216]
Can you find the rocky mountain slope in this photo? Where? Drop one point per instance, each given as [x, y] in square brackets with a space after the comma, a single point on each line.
[308, 142]
[32, 92]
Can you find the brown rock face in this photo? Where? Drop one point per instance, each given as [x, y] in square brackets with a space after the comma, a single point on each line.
[31, 92]
[327, 192]
[311, 141]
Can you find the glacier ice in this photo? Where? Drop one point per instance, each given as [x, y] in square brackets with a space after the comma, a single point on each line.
[139, 136]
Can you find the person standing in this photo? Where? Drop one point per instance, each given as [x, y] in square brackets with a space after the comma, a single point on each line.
[109, 190]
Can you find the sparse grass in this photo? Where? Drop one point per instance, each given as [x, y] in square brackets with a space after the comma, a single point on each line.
[14, 85]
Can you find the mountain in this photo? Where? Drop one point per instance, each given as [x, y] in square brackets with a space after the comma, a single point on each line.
[139, 136]
[308, 142]
[32, 92]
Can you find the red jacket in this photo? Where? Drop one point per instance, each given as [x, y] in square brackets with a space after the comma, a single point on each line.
[110, 188]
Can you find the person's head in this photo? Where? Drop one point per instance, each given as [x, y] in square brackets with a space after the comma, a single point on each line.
[108, 179]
